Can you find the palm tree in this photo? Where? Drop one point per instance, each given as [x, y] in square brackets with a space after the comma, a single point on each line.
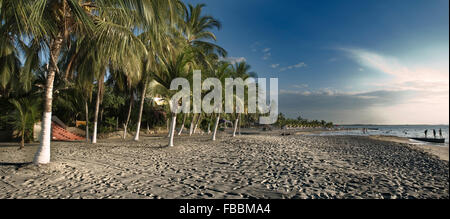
[154, 39]
[240, 70]
[182, 124]
[24, 116]
[197, 33]
[175, 66]
[144, 86]
[223, 71]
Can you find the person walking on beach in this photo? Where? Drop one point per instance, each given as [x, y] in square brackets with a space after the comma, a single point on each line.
[426, 133]
[440, 133]
[434, 133]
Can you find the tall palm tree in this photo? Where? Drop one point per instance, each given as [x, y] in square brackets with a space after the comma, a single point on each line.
[240, 70]
[154, 39]
[223, 71]
[127, 85]
[144, 86]
[175, 66]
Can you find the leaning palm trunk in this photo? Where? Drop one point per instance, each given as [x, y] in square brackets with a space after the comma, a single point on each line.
[182, 125]
[236, 122]
[125, 125]
[196, 123]
[43, 154]
[141, 109]
[216, 126]
[172, 129]
[87, 121]
[239, 125]
[97, 105]
[191, 127]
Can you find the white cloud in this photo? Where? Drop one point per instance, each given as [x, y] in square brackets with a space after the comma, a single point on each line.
[299, 65]
[234, 60]
[267, 56]
[300, 86]
[274, 65]
[403, 77]
[416, 93]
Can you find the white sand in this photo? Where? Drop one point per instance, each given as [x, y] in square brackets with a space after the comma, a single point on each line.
[438, 151]
[259, 166]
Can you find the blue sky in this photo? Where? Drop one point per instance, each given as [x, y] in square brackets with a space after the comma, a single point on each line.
[346, 61]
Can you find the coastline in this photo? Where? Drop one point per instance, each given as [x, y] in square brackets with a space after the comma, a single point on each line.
[438, 151]
[441, 152]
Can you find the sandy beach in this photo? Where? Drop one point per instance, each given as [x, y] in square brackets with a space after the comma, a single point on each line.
[441, 152]
[251, 166]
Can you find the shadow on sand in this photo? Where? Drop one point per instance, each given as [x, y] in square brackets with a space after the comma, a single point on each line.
[15, 165]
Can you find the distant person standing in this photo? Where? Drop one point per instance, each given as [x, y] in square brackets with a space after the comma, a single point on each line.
[434, 133]
[426, 133]
[440, 133]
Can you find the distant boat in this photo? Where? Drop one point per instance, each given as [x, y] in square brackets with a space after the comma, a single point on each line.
[431, 140]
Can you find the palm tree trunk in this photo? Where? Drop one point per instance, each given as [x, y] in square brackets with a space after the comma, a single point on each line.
[191, 128]
[216, 126]
[125, 125]
[97, 105]
[101, 114]
[22, 142]
[43, 154]
[168, 127]
[172, 129]
[141, 109]
[236, 122]
[87, 121]
[182, 125]
[196, 123]
[239, 125]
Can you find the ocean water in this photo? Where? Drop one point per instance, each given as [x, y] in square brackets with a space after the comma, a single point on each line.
[408, 131]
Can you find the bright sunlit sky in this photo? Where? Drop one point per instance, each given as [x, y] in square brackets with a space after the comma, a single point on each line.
[346, 61]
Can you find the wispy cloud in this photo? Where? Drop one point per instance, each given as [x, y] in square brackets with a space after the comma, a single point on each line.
[300, 86]
[267, 53]
[274, 65]
[254, 46]
[234, 60]
[298, 65]
[404, 77]
[267, 56]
